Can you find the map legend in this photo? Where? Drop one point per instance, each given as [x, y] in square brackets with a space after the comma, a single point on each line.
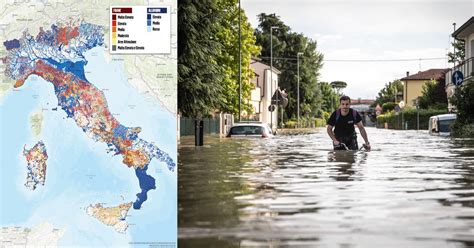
[140, 30]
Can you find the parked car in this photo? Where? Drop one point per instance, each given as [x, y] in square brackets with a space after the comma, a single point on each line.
[441, 124]
[250, 129]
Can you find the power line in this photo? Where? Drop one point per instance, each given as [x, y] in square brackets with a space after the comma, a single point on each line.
[363, 60]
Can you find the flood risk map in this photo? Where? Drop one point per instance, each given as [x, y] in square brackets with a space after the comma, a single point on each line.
[88, 137]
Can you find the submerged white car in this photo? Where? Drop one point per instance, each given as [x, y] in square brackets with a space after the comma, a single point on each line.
[441, 124]
[251, 130]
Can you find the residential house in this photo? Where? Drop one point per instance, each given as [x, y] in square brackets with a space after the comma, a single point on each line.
[363, 107]
[261, 95]
[413, 84]
[465, 33]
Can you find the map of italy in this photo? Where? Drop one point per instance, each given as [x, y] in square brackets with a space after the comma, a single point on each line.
[57, 56]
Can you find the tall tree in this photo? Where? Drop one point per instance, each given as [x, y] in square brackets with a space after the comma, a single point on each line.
[228, 37]
[286, 46]
[338, 86]
[433, 96]
[200, 88]
[389, 93]
[459, 55]
[330, 97]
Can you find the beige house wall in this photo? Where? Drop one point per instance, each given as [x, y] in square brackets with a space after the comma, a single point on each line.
[412, 90]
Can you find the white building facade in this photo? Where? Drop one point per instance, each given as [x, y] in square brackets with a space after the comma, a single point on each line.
[266, 82]
[466, 33]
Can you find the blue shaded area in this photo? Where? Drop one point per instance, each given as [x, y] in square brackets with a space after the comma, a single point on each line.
[47, 38]
[147, 182]
[54, 28]
[120, 131]
[11, 44]
[132, 135]
[93, 34]
[76, 68]
[67, 103]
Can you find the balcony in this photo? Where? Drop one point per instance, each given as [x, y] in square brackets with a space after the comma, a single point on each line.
[466, 67]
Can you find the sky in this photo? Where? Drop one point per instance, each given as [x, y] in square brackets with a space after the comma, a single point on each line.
[371, 30]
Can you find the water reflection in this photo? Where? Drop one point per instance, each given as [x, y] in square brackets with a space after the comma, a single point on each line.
[344, 162]
[411, 190]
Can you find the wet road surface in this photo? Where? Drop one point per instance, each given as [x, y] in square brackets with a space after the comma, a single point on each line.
[411, 190]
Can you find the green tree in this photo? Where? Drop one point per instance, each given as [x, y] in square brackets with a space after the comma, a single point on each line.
[459, 56]
[286, 46]
[462, 99]
[228, 59]
[389, 93]
[338, 86]
[200, 88]
[433, 96]
[330, 97]
[208, 57]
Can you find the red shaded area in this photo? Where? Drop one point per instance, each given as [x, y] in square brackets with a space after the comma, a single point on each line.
[135, 158]
[65, 34]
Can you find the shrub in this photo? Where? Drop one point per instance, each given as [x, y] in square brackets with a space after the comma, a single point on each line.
[388, 106]
[306, 123]
[319, 122]
[409, 118]
[462, 99]
[291, 124]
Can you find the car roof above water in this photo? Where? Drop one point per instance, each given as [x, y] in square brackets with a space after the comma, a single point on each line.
[445, 117]
[250, 124]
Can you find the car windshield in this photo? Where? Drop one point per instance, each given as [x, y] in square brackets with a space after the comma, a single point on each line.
[445, 125]
[246, 130]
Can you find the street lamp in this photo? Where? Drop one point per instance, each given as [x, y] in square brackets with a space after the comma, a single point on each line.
[298, 87]
[454, 46]
[271, 73]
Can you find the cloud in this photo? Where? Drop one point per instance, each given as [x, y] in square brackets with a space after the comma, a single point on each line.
[370, 29]
[327, 38]
[366, 79]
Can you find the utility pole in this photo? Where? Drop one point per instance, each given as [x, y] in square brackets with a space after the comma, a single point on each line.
[240, 64]
[271, 73]
[298, 87]
[454, 46]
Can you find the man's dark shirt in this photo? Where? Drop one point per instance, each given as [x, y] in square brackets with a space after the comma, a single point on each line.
[345, 124]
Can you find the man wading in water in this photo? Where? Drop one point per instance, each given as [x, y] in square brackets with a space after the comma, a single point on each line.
[343, 120]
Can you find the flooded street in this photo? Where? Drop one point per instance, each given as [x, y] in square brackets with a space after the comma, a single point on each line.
[412, 190]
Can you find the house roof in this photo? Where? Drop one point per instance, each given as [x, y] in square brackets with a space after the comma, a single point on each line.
[362, 101]
[435, 74]
[465, 30]
[265, 66]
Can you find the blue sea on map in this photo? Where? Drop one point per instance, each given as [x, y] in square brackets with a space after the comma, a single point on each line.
[80, 172]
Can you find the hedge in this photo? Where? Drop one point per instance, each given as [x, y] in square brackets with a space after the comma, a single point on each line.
[388, 106]
[306, 123]
[409, 116]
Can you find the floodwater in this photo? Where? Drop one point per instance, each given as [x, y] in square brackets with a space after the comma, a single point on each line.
[411, 190]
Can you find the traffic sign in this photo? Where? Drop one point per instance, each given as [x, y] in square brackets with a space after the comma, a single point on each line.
[457, 78]
[401, 104]
[271, 108]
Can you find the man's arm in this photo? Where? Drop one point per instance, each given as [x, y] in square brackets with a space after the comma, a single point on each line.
[332, 135]
[363, 133]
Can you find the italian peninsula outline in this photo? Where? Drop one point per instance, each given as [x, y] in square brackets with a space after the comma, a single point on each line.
[57, 55]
